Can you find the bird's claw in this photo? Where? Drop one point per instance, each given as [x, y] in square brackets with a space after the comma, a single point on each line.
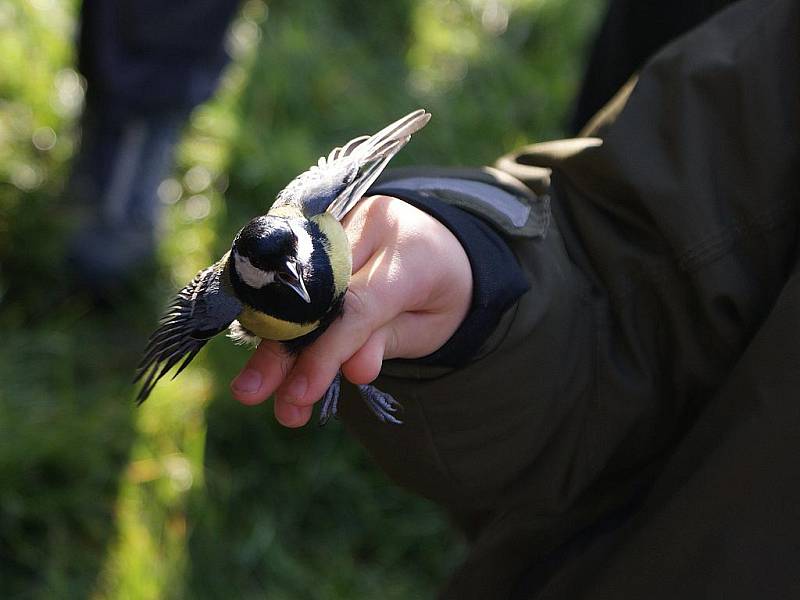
[330, 401]
[381, 403]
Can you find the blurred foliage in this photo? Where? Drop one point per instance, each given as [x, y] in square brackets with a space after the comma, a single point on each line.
[193, 495]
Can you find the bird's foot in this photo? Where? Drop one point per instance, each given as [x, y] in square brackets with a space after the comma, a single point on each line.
[330, 401]
[381, 403]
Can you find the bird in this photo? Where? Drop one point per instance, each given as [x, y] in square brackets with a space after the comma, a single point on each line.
[287, 272]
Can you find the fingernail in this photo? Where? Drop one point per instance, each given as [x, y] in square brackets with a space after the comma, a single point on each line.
[297, 388]
[248, 381]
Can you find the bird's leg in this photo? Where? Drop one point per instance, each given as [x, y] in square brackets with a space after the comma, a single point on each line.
[380, 403]
[330, 401]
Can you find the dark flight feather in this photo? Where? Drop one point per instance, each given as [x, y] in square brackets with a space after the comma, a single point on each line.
[200, 311]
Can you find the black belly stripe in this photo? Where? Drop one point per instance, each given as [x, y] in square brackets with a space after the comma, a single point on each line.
[296, 345]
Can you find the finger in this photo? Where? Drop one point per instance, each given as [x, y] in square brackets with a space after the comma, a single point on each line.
[365, 365]
[409, 335]
[291, 415]
[263, 373]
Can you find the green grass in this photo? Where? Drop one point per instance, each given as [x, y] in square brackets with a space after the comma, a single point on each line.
[192, 495]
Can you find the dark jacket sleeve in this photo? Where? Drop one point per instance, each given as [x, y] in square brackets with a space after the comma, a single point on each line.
[470, 434]
[642, 394]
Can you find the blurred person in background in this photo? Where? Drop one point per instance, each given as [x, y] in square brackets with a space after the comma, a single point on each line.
[147, 64]
[599, 368]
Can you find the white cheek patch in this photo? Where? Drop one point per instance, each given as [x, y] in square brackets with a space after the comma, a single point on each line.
[305, 245]
[251, 275]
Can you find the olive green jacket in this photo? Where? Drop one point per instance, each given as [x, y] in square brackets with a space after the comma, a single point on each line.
[632, 427]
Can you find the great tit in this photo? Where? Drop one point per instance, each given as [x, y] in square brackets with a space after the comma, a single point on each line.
[287, 272]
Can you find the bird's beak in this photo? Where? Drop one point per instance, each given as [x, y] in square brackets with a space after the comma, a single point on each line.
[297, 283]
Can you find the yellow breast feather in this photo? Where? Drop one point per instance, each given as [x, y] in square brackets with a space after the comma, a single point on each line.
[272, 328]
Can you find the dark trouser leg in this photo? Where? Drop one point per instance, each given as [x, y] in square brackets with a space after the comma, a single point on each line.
[147, 65]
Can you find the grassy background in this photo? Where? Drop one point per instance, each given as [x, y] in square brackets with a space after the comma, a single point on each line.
[193, 495]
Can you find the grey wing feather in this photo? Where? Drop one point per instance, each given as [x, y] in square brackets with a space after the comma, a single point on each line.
[346, 150]
[372, 155]
[201, 310]
[337, 182]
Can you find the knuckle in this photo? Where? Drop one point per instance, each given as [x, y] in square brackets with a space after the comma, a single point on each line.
[271, 350]
[316, 356]
[357, 305]
[392, 343]
[382, 209]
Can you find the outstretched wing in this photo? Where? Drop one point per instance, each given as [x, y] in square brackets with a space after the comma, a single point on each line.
[336, 183]
[200, 311]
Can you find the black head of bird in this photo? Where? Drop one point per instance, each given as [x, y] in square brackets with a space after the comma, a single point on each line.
[287, 272]
[270, 258]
